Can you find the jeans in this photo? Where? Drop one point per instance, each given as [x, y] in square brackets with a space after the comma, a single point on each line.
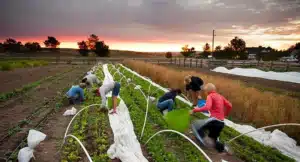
[214, 127]
[74, 100]
[167, 104]
[116, 90]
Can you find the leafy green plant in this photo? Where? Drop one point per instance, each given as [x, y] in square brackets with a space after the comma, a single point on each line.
[245, 148]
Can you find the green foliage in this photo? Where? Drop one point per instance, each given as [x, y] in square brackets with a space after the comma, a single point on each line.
[13, 64]
[178, 120]
[188, 52]
[169, 55]
[110, 105]
[51, 42]
[102, 50]
[245, 147]
[11, 45]
[83, 48]
[33, 47]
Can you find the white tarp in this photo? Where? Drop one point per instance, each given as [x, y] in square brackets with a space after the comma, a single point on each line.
[126, 147]
[250, 72]
[275, 139]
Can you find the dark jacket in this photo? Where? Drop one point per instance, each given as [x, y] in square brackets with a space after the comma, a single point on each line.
[195, 84]
[169, 95]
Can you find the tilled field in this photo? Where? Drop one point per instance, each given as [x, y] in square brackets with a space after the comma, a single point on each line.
[32, 109]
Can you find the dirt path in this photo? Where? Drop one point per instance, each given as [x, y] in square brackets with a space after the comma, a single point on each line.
[20, 77]
[260, 83]
[17, 118]
[47, 151]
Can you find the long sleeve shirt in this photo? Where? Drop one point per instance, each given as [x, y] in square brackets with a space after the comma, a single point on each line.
[76, 91]
[104, 89]
[91, 79]
[195, 84]
[169, 95]
[215, 104]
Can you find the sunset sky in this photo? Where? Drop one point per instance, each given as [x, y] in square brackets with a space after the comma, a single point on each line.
[153, 25]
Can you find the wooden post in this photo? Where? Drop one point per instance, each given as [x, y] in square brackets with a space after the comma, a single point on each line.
[271, 65]
[257, 65]
[196, 63]
[201, 63]
[190, 62]
[287, 66]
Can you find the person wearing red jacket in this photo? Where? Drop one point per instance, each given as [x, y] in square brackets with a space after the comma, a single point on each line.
[219, 108]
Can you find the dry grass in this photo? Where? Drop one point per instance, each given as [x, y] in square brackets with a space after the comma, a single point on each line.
[250, 105]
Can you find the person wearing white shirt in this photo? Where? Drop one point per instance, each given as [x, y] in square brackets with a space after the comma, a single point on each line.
[106, 88]
[90, 80]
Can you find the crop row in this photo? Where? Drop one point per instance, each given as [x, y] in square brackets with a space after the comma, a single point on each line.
[175, 148]
[92, 128]
[245, 147]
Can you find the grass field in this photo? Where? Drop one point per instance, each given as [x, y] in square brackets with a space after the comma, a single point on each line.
[250, 105]
[7, 65]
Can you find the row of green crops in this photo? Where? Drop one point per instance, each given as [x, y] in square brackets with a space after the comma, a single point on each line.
[164, 147]
[245, 147]
[7, 65]
[92, 128]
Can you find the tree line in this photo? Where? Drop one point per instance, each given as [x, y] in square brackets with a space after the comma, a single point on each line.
[93, 44]
[236, 49]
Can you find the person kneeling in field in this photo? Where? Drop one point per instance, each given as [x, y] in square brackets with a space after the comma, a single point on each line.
[106, 88]
[168, 100]
[76, 95]
[90, 80]
[219, 107]
[193, 86]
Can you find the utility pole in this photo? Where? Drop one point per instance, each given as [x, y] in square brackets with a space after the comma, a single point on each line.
[213, 43]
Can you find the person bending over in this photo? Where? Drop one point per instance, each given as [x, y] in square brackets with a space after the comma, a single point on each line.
[168, 100]
[76, 95]
[219, 108]
[90, 80]
[193, 86]
[113, 87]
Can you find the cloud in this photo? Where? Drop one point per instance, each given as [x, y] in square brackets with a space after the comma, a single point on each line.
[150, 20]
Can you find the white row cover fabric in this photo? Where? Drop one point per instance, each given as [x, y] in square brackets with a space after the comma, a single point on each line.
[275, 139]
[126, 147]
[70, 112]
[250, 72]
[33, 139]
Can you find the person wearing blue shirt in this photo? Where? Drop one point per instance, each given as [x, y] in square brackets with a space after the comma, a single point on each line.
[168, 100]
[75, 94]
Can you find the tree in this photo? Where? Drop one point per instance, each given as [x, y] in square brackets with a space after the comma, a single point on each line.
[33, 47]
[92, 40]
[188, 52]
[101, 49]
[1, 48]
[12, 45]
[239, 46]
[218, 48]
[83, 48]
[169, 55]
[296, 50]
[51, 42]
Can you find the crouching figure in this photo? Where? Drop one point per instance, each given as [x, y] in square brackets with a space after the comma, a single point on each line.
[219, 108]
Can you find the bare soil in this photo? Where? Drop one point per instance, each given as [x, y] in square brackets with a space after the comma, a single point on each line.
[36, 107]
[17, 78]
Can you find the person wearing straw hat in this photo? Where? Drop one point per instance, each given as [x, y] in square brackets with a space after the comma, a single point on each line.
[193, 85]
[113, 87]
[75, 94]
[219, 108]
